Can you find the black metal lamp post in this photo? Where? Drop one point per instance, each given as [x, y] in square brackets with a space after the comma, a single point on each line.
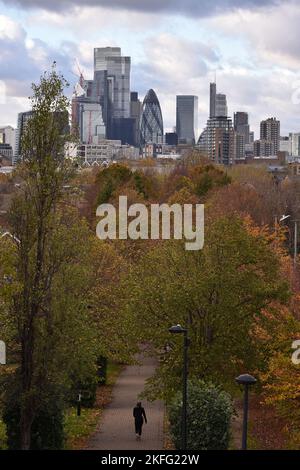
[246, 380]
[79, 404]
[2, 353]
[177, 329]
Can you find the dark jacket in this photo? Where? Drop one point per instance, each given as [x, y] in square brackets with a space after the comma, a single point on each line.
[139, 413]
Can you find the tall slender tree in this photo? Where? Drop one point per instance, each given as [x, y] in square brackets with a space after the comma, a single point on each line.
[34, 220]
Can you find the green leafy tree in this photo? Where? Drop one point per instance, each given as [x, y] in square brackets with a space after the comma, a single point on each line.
[216, 292]
[47, 296]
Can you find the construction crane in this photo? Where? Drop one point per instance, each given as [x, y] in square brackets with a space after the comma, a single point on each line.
[79, 87]
[81, 77]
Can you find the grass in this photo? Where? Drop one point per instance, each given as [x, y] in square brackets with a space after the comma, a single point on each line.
[252, 441]
[3, 444]
[168, 443]
[79, 428]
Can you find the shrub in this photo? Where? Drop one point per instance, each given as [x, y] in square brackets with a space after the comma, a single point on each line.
[102, 370]
[47, 427]
[88, 390]
[208, 417]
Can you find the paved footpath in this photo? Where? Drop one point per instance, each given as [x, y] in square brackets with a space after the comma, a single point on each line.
[117, 424]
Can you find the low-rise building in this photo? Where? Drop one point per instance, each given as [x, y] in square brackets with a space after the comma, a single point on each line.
[6, 151]
[264, 148]
[105, 151]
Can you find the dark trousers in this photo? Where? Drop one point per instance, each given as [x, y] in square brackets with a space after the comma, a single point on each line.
[138, 426]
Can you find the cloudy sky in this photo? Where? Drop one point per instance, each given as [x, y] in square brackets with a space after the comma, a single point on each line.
[176, 47]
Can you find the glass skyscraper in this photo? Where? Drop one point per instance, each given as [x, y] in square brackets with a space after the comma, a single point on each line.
[241, 125]
[111, 88]
[187, 118]
[217, 102]
[152, 129]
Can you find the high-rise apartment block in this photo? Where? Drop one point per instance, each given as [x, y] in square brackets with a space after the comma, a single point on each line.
[219, 140]
[270, 132]
[23, 119]
[220, 144]
[187, 119]
[264, 148]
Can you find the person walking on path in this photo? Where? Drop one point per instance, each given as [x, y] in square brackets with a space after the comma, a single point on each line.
[139, 416]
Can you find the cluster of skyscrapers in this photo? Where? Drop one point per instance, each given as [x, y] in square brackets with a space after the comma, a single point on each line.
[111, 122]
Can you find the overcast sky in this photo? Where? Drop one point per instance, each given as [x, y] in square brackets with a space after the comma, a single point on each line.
[176, 47]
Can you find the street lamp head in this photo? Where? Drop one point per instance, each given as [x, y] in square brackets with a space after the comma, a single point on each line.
[283, 217]
[245, 379]
[177, 329]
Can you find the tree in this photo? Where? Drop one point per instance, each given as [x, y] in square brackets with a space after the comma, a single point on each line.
[51, 258]
[207, 177]
[217, 293]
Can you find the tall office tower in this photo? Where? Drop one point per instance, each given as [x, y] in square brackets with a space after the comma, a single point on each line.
[102, 53]
[111, 87]
[23, 119]
[221, 105]
[217, 103]
[241, 125]
[251, 137]
[135, 114]
[270, 131]
[151, 129]
[187, 118]
[219, 140]
[212, 99]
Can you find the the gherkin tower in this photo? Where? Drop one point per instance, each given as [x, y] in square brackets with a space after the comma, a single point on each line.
[152, 129]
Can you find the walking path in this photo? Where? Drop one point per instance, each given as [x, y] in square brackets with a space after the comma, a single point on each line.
[117, 424]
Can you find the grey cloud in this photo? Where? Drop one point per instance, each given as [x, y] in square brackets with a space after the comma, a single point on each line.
[186, 7]
[21, 66]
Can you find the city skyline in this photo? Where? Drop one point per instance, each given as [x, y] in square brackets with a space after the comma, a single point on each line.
[256, 71]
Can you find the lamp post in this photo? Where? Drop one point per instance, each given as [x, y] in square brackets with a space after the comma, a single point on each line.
[177, 329]
[282, 219]
[246, 380]
[295, 241]
[2, 353]
[79, 404]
